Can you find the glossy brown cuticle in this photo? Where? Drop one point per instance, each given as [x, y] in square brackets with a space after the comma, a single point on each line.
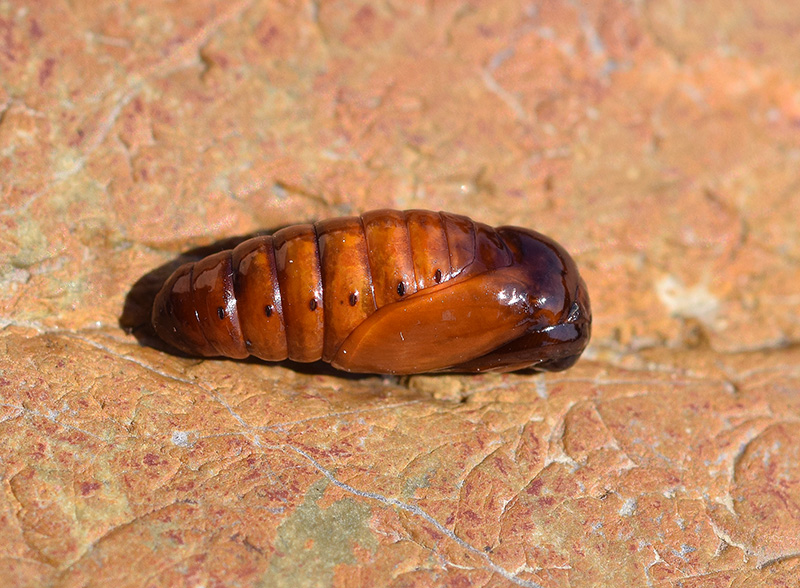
[393, 292]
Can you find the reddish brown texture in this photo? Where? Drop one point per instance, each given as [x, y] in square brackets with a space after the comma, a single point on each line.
[658, 141]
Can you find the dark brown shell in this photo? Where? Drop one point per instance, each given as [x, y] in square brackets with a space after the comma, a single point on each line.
[390, 292]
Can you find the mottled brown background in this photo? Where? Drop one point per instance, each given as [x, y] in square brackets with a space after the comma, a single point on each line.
[658, 141]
